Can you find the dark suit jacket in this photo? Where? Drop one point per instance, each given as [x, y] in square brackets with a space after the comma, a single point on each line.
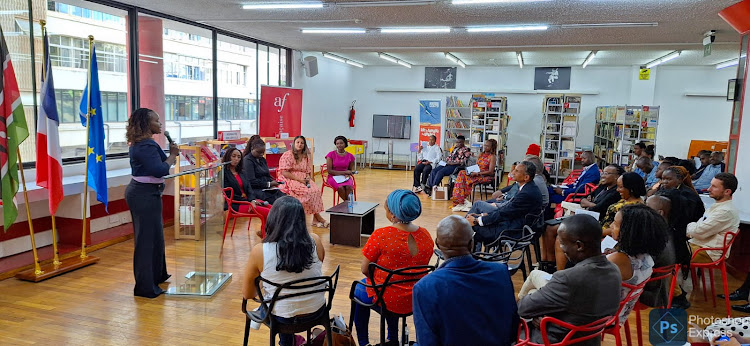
[591, 175]
[231, 181]
[603, 199]
[512, 214]
[579, 295]
[256, 177]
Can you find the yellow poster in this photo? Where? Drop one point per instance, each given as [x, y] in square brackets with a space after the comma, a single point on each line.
[645, 74]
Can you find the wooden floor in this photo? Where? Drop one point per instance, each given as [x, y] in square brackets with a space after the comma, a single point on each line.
[95, 305]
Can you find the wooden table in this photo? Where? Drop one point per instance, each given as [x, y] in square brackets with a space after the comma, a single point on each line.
[347, 227]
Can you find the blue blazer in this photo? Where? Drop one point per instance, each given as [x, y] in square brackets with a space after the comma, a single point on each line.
[592, 175]
[512, 214]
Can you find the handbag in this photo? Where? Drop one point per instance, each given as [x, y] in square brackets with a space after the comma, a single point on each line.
[341, 335]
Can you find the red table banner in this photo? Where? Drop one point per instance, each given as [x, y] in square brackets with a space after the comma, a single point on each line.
[280, 112]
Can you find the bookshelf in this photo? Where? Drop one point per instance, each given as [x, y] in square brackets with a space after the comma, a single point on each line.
[559, 132]
[457, 121]
[489, 120]
[188, 189]
[617, 130]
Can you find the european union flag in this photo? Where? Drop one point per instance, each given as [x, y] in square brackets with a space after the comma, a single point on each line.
[97, 173]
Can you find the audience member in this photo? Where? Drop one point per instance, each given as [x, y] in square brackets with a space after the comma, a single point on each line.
[492, 219]
[720, 218]
[641, 235]
[427, 158]
[288, 253]
[255, 171]
[465, 182]
[401, 245]
[295, 171]
[534, 149]
[742, 293]
[638, 149]
[479, 295]
[659, 171]
[715, 166]
[341, 163]
[598, 201]
[458, 157]
[233, 178]
[590, 174]
[656, 294]
[701, 162]
[648, 168]
[539, 179]
[670, 206]
[581, 294]
[631, 189]
[688, 165]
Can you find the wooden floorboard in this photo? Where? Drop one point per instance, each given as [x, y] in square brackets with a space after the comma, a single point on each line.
[95, 305]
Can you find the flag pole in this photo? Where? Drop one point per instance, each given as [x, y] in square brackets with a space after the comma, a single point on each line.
[37, 268]
[56, 259]
[86, 170]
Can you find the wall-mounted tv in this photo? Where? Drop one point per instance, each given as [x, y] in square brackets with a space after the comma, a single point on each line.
[391, 126]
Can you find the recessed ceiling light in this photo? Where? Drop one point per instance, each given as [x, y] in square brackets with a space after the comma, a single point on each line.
[728, 63]
[506, 28]
[335, 31]
[282, 5]
[473, 2]
[415, 30]
[668, 57]
[455, 59]
[607, 25]
[589, 58]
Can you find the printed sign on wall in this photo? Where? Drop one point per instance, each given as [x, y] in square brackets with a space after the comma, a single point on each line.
[280, 112]
[429, 120]
[552, 78]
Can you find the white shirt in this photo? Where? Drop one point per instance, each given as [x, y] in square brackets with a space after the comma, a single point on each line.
[430, 153]
[709, 231]
[291, 307]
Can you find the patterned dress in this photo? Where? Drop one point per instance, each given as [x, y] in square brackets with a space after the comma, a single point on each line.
[609, 217]
[464, 183]
[308, 196]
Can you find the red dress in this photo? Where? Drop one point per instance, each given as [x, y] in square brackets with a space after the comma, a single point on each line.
[388, 247]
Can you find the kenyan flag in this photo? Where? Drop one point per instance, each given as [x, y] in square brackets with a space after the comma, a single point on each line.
[13, 131]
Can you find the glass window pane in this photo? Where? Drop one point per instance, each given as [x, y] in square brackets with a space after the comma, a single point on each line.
[237, 85]
[273, 66]
[282, 68]
[262, 65]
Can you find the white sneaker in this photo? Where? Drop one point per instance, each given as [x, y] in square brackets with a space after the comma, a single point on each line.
[466, 206]
[418, 189]
[459, 207]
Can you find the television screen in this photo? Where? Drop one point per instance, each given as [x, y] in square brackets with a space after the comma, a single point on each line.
[391, 126]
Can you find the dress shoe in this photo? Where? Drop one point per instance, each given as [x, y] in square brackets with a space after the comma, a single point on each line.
[735, 296]
[680, 302]
[742, 308]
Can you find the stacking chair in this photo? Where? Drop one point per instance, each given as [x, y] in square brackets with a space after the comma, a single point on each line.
[661, 273]
[631, 298]
[576, 334]
[292, 289]
[324, 184]
[234, 215]
[719, 264]
[394, 277]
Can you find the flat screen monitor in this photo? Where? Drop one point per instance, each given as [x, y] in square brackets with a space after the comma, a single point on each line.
[391, 126]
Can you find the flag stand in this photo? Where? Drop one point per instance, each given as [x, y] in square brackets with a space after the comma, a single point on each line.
[86, 165]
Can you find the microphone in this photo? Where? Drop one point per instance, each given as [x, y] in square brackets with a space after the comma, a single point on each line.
[166, 133]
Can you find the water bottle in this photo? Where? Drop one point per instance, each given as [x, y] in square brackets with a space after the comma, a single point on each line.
[350, 202]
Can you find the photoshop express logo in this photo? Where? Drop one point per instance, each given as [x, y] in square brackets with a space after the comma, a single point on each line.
[667, 327]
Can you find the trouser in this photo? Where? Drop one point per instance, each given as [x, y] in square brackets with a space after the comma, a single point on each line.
[288, 339]
[438, 173]
[536, 280]
[421, 173]
[149, 260]
[362, 318]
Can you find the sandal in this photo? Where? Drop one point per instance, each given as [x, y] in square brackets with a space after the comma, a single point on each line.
[323, 224]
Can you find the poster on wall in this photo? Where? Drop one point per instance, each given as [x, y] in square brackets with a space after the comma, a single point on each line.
[552, 78]
[280, 112]
[429, 120]
[440, 77]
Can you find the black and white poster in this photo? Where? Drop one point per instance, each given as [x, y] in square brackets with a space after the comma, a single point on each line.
[440, 77]
[552, 78]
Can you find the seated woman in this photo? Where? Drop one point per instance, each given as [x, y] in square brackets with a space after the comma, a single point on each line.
[233, 179]
[465, 182]
[401, 245]
[295, 171]
[341, 163]
[255, 172]
[632, 188]
[642, 236]
[287, 253]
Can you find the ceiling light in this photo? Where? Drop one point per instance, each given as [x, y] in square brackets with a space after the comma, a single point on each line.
[388, 57]
[664, 59]
[728, 63]
[334, 31]
[520, 59]
[607, 25]
[506, 28]
[342, 59]
[404, 63]
[589, 58]
[354, 63]
[455, 59]
[472, 2]
[382, 3]
[414, 30]
[282, 5]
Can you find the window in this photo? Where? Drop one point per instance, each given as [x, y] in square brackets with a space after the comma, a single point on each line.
[273, 66]
[238, 89]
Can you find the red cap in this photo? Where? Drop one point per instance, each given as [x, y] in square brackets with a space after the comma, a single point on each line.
[534, 149]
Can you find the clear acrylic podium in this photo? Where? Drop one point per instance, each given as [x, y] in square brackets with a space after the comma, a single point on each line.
[196, 264]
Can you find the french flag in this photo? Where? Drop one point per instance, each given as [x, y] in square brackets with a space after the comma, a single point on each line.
[48, 151]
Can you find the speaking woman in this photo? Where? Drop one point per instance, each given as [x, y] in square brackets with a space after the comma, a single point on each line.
[149, 165]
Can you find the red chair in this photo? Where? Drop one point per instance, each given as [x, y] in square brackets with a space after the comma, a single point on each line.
[575, 198]
[234, 215]
[658, 274]
[614, 326]
[596, 329]
[574, 174]
[719, 264]
[324, 184]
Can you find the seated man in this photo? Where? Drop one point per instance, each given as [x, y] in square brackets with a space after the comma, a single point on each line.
[486, 316]
[579, 295]
[458, 157]
[702, 162]
[649, 169]
[715, 165]
[720, 218]
[506, 193]
[492, 219]
[590, 174]
[427, 158]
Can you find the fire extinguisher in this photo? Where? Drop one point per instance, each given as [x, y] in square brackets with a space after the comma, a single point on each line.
[351, 114]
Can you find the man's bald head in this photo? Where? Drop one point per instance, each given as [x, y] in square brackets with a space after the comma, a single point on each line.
[661, 204]
[454, 236]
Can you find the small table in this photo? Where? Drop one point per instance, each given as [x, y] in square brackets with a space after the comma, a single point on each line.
[347, 227]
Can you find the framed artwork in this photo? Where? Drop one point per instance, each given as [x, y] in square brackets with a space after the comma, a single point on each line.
[552, 78]
[440, 77]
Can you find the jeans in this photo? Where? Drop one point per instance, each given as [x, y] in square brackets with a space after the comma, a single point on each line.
[422, 170]
[438, 173]
[284, 339]
[362, 317]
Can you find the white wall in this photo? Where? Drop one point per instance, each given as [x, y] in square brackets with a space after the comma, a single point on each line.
[328, 96]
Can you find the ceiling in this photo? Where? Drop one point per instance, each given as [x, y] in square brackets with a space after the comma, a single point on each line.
[680, 25]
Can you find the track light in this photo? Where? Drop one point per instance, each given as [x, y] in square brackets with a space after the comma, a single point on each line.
[342, 59]
[589, 58]
[607, 25]
[354, 63]
[335, 31]
[519, 57]
[664, 59]
[475, 2]
[404, 63]
[282, 5]
[455, 59]
[415, 30]
[507, 28]
[394, 60]
[728, 63]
